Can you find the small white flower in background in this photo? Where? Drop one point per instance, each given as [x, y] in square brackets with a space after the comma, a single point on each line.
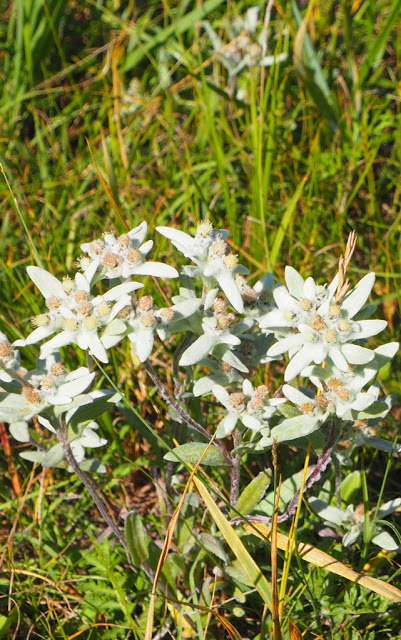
[214, 259]
[247, 48]
[313, 327]
[76, 315]
[250, 406]
[122, 257]
[351, 520]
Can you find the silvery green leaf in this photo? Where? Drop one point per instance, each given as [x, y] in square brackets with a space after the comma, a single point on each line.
[327, 512]
[213, 545]
[356, 354]
[71, 407]
[288, 411]
[294, 282]
[382, 444]
[230, 358]
[198, 350]
[33, 456]
[356, 298]
[92, 465]
[19, 431]
[351, 536]
[389, 507]
[385, 541]
[294, 428]
[227, 425]
[53, 457]
[365, 312]
[214, 38]
[100, 402]
[192, 452]
[376, 410]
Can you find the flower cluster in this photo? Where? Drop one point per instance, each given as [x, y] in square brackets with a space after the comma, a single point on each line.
[230, 328]
[313, 326]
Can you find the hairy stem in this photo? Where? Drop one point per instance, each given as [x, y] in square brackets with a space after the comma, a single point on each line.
[235, 470]
[167, 397]
[88, 483]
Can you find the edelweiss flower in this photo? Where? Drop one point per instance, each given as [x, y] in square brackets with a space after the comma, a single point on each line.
[141, 318]
[249, 406]
[122, 257]
[313, 327]
[220, 329]
[343, 390]
[48, 385]
[72, 310]
[247, 50]
[258, 300]
[352, 520]
[213, 257]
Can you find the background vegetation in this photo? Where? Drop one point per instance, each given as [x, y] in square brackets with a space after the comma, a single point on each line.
[113, 112]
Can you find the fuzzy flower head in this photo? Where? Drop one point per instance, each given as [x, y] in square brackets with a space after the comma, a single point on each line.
[251, 407]
[247, 48]
[215, 261]
[142, 318]
[313, 327]
[122, 257]
[73, 313]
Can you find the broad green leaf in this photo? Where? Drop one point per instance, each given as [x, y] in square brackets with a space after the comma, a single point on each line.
[213, 545]
[350, 485]
[253, 492]
[19, 431]
[137, 539]
[294, 428]
[102, 401]
[33, 456]
[53, 457]
[193, 451]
